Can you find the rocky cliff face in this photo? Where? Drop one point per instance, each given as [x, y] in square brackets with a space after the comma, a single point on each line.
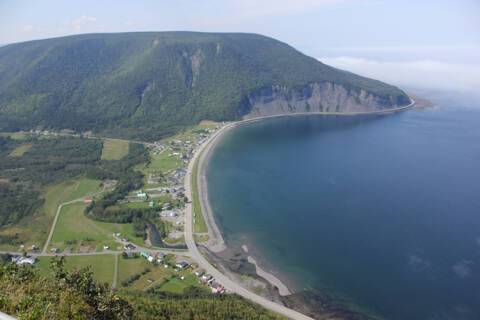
[318, 97]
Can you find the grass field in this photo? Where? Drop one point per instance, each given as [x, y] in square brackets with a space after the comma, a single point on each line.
[129, 267]
[199, 224]
[167, 279]
[33, 230]
[67, 191]
[74, 227]
[162, 162]
[136, 205]
[125, 229]
[114, 149]
[20, 136]
[176, 285]
[20, 150]
[102, 266]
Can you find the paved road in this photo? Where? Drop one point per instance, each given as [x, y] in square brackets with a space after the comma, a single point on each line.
[203, 263]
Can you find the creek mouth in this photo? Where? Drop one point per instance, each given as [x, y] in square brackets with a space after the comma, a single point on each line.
[156, 239]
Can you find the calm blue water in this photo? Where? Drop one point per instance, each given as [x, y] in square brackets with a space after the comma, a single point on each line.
[381, 211]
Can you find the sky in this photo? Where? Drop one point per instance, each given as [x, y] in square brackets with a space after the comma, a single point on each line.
[425, 44]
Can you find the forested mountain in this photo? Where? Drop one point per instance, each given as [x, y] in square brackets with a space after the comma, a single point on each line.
[152, 83]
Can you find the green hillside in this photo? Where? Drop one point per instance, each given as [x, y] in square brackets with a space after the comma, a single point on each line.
[150, 84]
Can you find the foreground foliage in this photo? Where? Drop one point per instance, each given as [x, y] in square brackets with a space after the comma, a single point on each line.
[26, 294]
[65, 295]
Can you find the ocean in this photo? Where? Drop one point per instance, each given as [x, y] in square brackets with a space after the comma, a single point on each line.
[380, 213]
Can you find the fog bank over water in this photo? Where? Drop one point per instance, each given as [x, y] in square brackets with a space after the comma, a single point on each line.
[439, 68]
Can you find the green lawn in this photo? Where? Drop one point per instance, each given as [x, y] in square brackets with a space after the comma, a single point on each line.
[73, 225]
[136, 205]
[163, 162]
[131, 266]
[125, 229]
[102, 266]
[177, 285]
[20, 150]
[114, 149]
[157, 274]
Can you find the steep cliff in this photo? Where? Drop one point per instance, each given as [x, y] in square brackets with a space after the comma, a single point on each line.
[324, 97]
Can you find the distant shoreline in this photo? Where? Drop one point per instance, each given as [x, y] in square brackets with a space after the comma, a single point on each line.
[216, 242]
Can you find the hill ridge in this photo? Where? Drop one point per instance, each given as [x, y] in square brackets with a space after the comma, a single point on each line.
[149, 84]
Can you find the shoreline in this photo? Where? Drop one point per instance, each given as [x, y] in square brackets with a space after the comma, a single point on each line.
[216, 242]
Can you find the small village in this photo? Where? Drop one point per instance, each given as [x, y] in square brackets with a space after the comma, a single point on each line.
[163, 192]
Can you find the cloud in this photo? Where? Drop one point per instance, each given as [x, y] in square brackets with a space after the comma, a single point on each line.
[462, 269]
[79, 23]
[424, 74]
[239, 12]
[279, 7]
[27, 28]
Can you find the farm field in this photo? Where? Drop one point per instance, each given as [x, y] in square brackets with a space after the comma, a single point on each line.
[102, 265]
[114, 149]
[20, 150]
[76, 231]
[33, 230]
[67, 191]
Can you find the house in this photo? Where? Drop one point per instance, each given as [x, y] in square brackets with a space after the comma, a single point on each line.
[147, 256]
[142, 195]
[182, 265]
[26, 260]
[206, 278]
[87, 200]
[217, 287]
[129, 246]
[106, 247]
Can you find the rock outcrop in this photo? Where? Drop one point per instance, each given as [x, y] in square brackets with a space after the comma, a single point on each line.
[318, 97]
